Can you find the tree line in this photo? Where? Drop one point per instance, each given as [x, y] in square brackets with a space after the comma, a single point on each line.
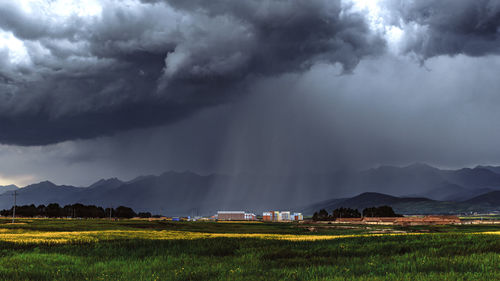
[382, 211]
[78, 210]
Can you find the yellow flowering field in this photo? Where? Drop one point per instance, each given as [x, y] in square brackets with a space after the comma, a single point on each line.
[62, 237]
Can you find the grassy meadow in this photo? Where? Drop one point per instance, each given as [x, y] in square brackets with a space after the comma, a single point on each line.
[44, 249]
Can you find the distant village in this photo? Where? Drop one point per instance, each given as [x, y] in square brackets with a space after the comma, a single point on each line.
[270, 216]
[382, 215]
[288, 216]
[266, 216]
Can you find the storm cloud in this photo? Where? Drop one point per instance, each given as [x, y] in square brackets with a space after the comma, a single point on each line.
[104, 88]
[101, 69]
[448, 27]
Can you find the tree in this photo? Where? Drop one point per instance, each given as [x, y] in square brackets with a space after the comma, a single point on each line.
[27, 211]
[323, 215]
[6, 213]
[41, 210]
[109, 212]
[382, 211]
[53, 210]
[144, 215]
[345, 213]
[124, 212]
[83, 211]
[77, 210]
[315, 216]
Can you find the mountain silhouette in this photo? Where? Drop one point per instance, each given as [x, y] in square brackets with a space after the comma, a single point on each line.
[417, 188]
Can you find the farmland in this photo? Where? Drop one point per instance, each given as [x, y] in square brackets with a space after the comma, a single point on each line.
[60, 249]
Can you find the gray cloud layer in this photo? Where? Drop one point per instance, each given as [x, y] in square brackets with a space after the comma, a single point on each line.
[154, 62]
[244, 86]
[388, 111]
[448, 27]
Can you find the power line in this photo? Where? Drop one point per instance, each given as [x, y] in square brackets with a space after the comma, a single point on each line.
[14, 207]
[14, 211]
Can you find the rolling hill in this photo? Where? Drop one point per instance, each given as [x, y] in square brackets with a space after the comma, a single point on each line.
[428, 181]
[410, 205]
[494, 169]
[490, 198]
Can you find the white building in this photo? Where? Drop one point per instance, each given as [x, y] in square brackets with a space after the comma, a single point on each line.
[250, 216]
[281, 216]
[285, 216]
[297, 217]
[235, 216]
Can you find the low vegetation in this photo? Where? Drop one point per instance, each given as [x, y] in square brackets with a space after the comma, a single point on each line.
[53, 210]
[66, 249]
[381, 211]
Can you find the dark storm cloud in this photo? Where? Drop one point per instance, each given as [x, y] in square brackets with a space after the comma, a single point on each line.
[388, 111]
[25, 26]
[240, 87]
[449, 27]
[154, 62]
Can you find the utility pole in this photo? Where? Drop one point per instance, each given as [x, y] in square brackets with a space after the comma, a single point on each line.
[14, 209]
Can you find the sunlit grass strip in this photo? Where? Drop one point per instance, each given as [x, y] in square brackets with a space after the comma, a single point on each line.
[488, 232]
[95, 236]
[30, 237]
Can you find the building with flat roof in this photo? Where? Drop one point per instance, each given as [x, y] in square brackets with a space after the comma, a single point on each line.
[297, 217]
[250, 217]
[267, 216]
[285, 216]
[235, 216]
[281, 216]
[405, 221]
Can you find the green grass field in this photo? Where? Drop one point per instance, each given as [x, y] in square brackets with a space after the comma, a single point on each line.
[43, 249]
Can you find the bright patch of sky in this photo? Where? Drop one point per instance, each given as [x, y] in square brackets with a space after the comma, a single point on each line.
[19, 181]
[54, 10]
[377, 19]
[16, 51]
[63, 8]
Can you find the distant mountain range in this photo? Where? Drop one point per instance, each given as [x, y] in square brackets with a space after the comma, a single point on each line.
[430, 182]
[410, 205]
[418, 188]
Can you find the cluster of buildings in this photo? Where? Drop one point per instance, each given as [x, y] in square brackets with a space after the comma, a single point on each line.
[287, 216]
[266, 216]
[235, 216]
[282, 216]
[404, 221]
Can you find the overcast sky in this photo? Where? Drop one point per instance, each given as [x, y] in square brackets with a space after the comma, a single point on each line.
[94, 89]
